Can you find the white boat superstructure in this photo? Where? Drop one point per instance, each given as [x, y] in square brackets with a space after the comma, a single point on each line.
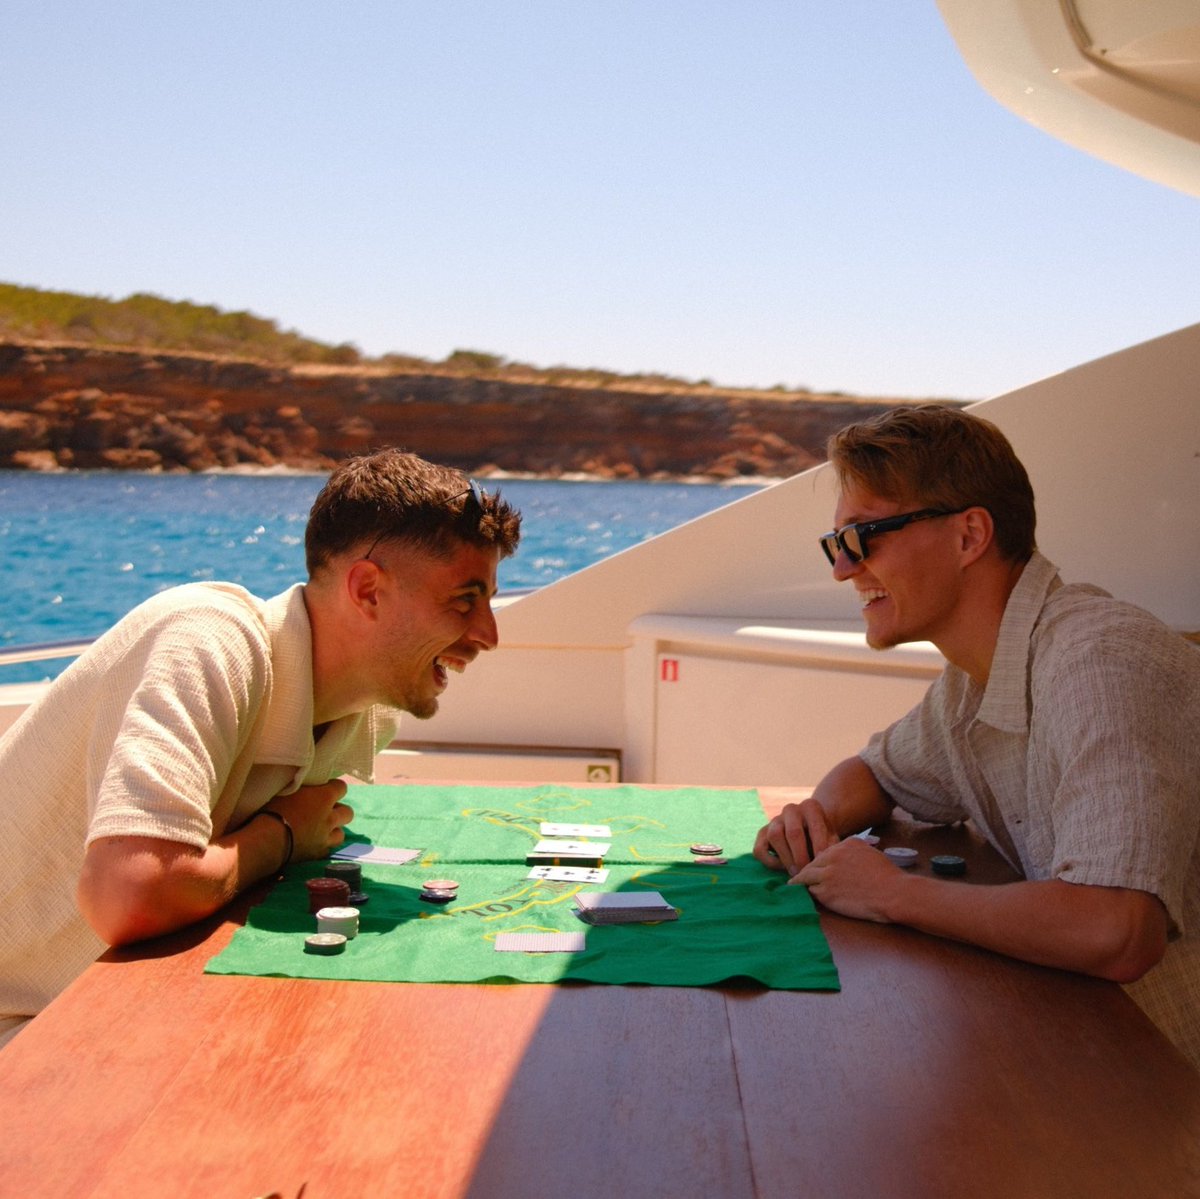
[722, 652]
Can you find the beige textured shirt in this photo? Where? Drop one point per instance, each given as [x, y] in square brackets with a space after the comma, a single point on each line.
[1080, 761]
[179, 723]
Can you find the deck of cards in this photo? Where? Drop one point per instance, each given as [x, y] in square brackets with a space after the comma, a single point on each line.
[623, 907]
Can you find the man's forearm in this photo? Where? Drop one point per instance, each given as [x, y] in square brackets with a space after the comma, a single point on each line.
[132, 888]
[1109, 932]
[851, 797]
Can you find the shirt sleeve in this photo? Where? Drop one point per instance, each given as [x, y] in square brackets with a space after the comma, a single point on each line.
[193, 683]
[1124, 706]
[911, 759]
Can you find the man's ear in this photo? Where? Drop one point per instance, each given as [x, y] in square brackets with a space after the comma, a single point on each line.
[363, 582]
[978, 533]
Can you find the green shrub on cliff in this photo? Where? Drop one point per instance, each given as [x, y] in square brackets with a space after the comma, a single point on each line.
[148, 321]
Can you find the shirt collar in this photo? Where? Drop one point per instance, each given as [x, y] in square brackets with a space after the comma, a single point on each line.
[288, 730]
[1005, 703]
[287, 737]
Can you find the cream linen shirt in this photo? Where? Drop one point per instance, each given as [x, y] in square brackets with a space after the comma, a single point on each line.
[179, 723]
[1079, 760]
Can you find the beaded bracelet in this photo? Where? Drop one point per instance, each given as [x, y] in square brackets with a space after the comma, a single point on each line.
[287, 828]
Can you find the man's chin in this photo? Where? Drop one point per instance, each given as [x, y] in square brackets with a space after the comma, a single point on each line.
[880, 640]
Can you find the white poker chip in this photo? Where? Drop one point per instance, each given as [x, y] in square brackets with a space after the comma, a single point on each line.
[338, 920]
[324, 943]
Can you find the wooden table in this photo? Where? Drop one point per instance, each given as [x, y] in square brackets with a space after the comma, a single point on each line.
[938, 1070]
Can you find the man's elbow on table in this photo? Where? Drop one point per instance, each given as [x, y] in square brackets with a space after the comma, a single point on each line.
[1135, 939]
[131, 888]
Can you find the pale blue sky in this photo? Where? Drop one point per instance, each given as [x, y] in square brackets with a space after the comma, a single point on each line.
[750, 191]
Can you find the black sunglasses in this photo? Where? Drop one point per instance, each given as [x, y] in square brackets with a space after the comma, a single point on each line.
[474, 505]
[476, 494]
[852, 540]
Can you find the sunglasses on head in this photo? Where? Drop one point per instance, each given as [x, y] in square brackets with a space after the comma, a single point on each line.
[852, 540]
[474, 506]
[476, 501]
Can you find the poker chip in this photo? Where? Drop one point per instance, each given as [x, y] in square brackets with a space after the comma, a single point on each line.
[349, 872]
[338, 920]
[324, 943]
[948, 864]
[326, 893]
[705, 860]
[356, 899]
[439, 890]
[706, 849]
[902, 855]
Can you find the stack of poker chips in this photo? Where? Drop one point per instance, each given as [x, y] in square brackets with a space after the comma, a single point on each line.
[329, 900]
[335, 900]
[335, 926]
[327, 893]
[351, 873]
[439, 890]
[338, 920]
[706, 853]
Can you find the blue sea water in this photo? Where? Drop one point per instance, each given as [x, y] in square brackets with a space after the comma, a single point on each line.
[79, 550]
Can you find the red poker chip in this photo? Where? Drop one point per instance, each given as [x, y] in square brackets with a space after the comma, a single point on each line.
[327, 892]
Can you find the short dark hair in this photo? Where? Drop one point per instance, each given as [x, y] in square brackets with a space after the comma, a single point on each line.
[938, 456]
[393, 495]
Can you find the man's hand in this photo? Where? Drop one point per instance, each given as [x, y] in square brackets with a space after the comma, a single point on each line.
[1110, 932]
[317, 816]
[793, 838]
[846, 800]
[853, 879]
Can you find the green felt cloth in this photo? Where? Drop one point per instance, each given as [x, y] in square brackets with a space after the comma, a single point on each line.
[737, 921]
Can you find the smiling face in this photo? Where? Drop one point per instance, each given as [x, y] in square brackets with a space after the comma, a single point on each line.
[434, 616]
[910, 584]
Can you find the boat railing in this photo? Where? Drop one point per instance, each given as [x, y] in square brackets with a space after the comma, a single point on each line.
[12, 655]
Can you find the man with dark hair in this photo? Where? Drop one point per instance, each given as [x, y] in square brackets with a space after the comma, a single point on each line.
[138, 783]
[1064, 726]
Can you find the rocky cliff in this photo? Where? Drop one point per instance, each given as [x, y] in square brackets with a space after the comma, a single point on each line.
[68, 406]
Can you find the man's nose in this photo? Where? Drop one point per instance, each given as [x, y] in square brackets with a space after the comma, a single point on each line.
[844, 567]
[483, 631]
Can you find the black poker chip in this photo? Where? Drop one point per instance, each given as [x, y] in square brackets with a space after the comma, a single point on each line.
[948, 864]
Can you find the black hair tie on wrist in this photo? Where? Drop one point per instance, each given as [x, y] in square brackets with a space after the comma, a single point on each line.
[287, 828]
